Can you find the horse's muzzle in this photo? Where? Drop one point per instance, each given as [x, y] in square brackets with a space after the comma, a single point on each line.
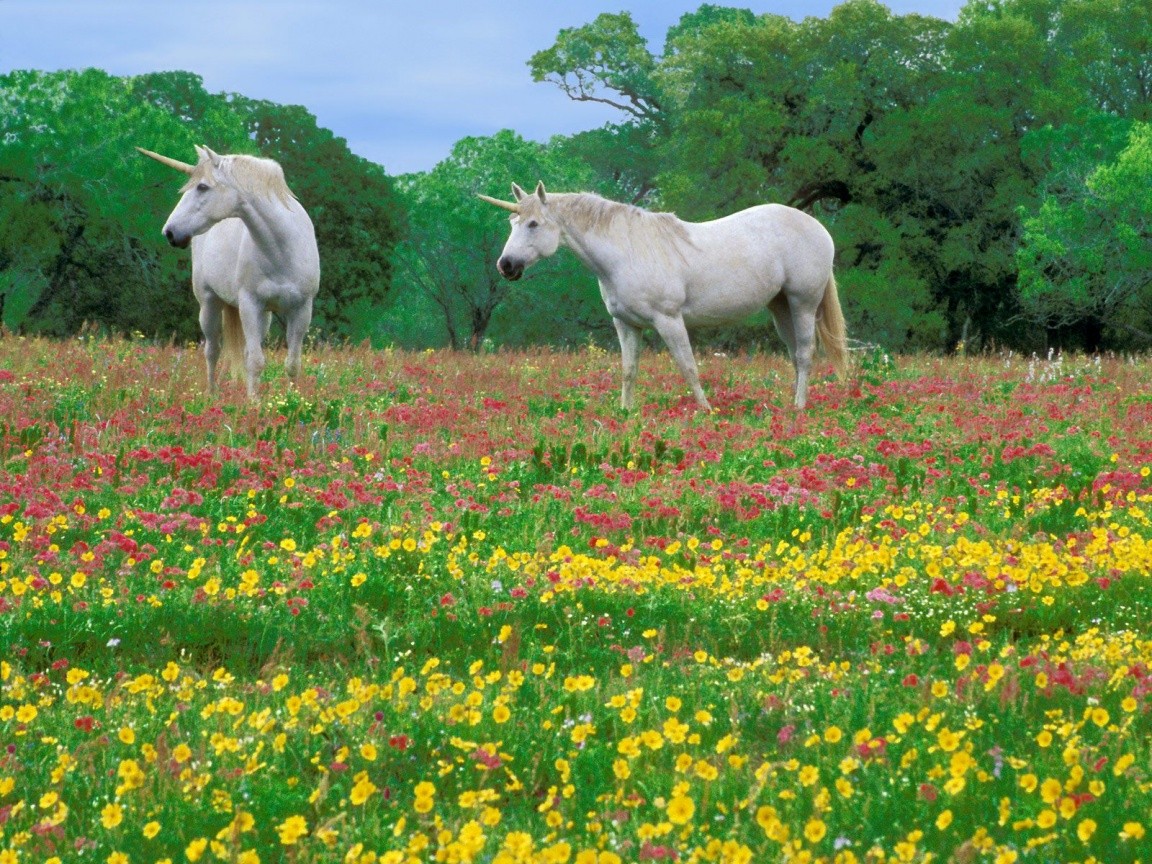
[509, 269]
[180, 241]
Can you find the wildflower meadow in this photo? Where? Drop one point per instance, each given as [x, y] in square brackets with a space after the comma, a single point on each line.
[462, 608]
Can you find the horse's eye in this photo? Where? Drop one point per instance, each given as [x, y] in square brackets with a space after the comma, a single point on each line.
[202, 187]
[533, 224]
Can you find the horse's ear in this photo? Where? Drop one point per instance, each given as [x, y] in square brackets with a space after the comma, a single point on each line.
[210, 153]
[518, 193]
[540, 192]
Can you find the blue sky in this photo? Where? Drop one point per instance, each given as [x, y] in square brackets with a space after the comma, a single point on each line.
[401, 80]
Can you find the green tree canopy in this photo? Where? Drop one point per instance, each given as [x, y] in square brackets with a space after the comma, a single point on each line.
[449, 255]
[1086, 255]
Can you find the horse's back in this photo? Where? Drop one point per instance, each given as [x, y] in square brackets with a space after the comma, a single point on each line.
[742, 261]
[775, 229]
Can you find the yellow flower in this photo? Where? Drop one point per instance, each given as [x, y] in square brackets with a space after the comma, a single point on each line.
[126, 735]
[948, 740]
[815, 830]
[501, 714]
[292, 829]
[1132, 831]
[195, 849]
[1085, 829]
[362, 790]
[1050, 790]
[151, 829]
[112, 815]
[680, 809]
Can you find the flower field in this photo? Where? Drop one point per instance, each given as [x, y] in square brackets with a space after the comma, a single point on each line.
[439, 607]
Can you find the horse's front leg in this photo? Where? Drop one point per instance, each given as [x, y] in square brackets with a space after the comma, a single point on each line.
[296, 326]
[212, 327]
[629, 337]
[252, 322]
[675, 336]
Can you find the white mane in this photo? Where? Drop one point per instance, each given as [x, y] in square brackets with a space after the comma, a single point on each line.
[250, 174]
[658, 234]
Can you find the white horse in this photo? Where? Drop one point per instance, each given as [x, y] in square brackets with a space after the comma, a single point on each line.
[253, 253]
[658, 271]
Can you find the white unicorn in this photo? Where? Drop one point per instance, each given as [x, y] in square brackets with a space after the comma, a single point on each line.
[253, 253]
[658, 271]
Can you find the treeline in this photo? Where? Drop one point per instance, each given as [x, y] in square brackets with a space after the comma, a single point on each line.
[987, 181]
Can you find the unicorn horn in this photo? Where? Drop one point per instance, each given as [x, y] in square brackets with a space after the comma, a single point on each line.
[171, 163]
[507, 205]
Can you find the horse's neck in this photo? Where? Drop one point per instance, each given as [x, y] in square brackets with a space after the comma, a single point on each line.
[597, 250]
[274, 225]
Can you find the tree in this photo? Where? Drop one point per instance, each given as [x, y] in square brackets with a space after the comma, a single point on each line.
[82, 245]
[449, 255]
[1086, 254]
[606, 61]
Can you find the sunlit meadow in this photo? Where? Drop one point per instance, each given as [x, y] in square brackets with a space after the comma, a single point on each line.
[441, 607]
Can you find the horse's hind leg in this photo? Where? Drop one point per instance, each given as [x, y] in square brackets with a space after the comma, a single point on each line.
[804, 331]
[629, 337]
[675, 336]
[782, 318]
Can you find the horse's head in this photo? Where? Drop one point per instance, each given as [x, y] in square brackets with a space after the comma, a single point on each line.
[535, 234]
[207, 196]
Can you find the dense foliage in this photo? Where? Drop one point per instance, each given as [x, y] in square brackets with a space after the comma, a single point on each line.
[455, 607]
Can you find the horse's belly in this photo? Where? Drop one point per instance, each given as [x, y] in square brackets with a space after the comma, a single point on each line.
[723, 306]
